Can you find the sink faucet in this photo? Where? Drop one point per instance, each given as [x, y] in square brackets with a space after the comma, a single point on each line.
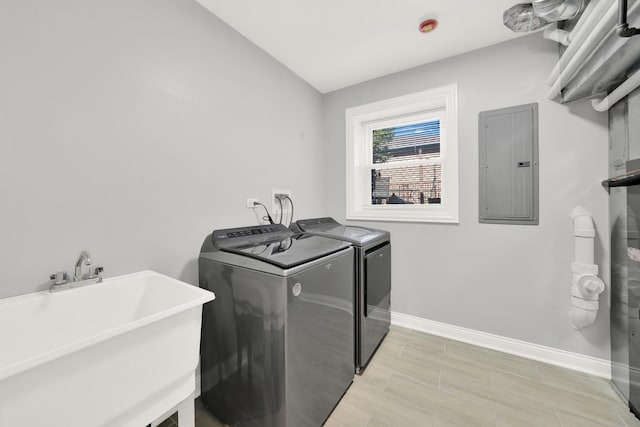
[85, 259]
[60, 281]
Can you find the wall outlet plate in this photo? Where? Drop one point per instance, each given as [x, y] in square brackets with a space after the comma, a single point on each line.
[275, 204]
[251, 202]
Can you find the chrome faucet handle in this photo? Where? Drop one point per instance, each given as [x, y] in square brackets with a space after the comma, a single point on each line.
[59, 278]
[95, 273]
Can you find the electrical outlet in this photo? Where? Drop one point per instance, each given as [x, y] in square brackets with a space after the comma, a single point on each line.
[275, 204]
[251, 202]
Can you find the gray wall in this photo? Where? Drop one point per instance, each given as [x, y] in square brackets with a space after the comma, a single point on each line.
[508, 280]
[132, 128]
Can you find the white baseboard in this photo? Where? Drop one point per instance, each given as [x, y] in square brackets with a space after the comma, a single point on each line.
[553, 356]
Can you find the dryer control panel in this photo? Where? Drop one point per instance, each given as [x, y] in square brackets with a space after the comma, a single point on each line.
[309, 224]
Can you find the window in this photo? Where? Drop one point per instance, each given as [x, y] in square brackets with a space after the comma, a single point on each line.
[402, 158]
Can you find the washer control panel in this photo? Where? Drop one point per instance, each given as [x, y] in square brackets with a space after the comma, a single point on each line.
[246, 236]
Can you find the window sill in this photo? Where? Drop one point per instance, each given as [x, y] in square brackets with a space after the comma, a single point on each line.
[422, 214]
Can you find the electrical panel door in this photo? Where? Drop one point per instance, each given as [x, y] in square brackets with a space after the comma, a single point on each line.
[508, 157]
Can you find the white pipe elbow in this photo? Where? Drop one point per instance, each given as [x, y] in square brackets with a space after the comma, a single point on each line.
[581, 217]
[600, 105]
[584, 302]
[559, 36]
[620, 92]
[582, 222]
[582, 318]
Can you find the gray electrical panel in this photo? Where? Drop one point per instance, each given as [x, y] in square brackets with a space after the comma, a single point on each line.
[508, 158]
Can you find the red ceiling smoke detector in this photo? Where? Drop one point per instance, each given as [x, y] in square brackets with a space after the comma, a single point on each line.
[428, 25]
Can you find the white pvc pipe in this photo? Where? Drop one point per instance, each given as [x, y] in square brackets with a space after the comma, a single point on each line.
[559, 36]
[620, 92]
[586, 15]
[579, 34]
[584, 50]
[586, 285]
[583, 233]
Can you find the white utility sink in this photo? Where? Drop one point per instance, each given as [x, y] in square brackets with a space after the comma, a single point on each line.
[117, 353]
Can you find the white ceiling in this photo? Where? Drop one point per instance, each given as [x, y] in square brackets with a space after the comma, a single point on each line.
[337, 43]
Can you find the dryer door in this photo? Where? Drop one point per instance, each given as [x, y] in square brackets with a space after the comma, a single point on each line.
[377, 300]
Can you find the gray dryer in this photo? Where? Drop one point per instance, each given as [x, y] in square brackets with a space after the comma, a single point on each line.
[373, 280]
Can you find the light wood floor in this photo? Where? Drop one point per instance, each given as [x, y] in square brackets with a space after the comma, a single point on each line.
[420, 380]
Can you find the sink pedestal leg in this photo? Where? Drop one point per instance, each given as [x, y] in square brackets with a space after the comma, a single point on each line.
[187, 412]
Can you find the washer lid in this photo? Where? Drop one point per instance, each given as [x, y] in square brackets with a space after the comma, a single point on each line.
[329, 227]
[276, 245]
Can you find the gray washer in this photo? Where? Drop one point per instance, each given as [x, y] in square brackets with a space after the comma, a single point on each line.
[277, 346]
[373, 280]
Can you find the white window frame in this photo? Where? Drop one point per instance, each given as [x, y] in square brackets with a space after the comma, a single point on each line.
[440, 103]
